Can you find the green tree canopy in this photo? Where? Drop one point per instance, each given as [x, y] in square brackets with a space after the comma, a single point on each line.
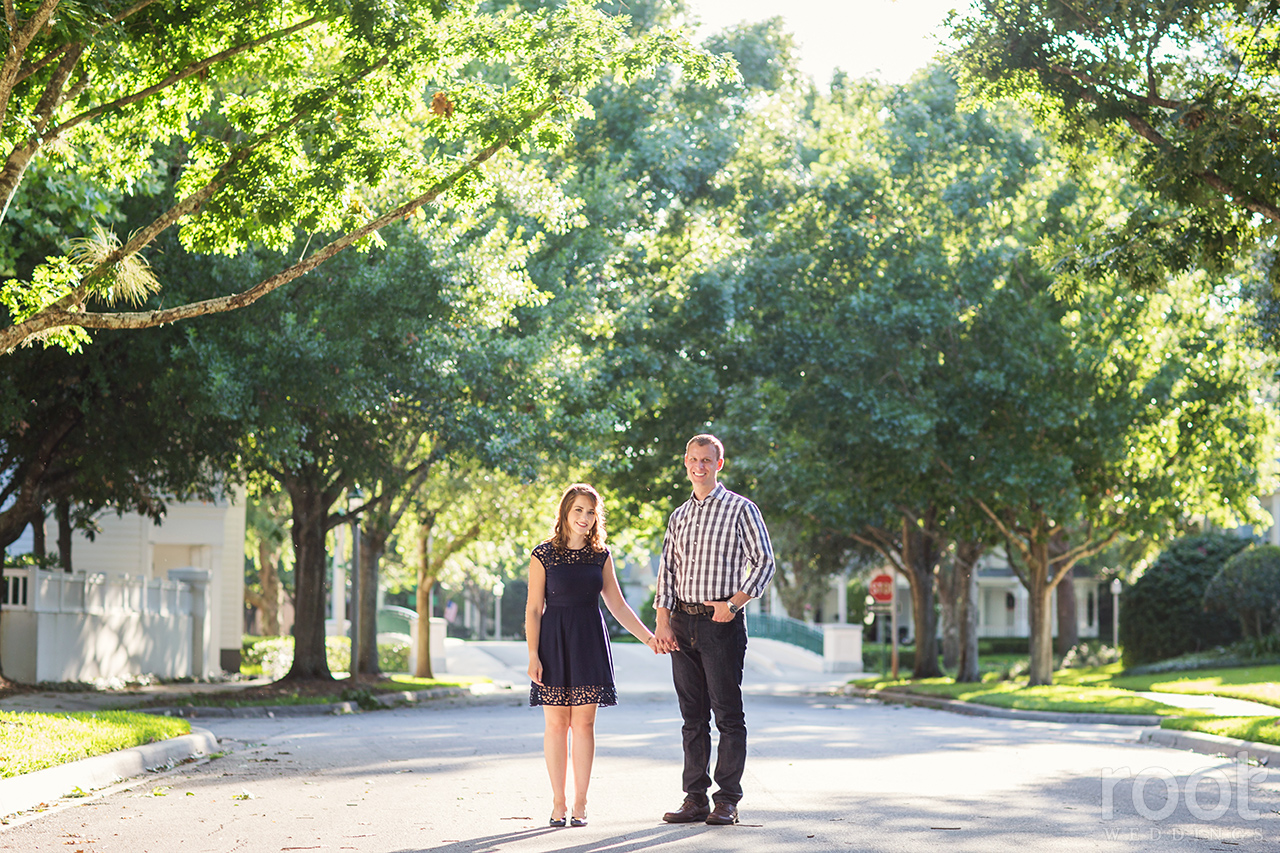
[279, 123]
[1183, 92]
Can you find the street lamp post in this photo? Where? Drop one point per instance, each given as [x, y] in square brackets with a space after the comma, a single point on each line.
[498, 589]
[353, 497]
[1115, 612]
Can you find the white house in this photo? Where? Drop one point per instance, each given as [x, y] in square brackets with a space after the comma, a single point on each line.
[143, 598]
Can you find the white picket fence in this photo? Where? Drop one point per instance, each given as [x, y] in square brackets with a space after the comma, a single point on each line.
[73, 626]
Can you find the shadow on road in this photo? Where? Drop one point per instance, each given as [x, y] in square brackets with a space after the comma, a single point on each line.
[650, 839]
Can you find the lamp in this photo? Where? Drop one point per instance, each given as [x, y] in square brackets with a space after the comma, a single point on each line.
[498, 589]
[1116, 586]
[354, 497]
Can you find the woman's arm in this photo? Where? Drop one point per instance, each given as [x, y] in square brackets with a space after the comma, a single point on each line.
[533, 616]
[620, 609]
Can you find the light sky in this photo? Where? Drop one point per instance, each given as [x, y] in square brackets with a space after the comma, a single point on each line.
[886, 38]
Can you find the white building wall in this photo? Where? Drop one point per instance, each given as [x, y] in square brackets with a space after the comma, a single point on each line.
[204, 535]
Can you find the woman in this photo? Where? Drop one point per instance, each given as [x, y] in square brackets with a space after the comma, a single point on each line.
[569, 660]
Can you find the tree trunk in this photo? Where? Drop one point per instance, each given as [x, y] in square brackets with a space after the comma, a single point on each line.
[1040, 594]
[372, 546]
[921, 553]
[1068, 629]
[38, 547]
[951, 585]
[426, 580]
[423, 603]
[966, 559]
[310, 513]
[272, 590]
[62, 511]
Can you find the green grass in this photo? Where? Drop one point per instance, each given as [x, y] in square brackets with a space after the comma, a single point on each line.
[1255, 683]
[31, 741]
[1069, 698]
[1256, 729]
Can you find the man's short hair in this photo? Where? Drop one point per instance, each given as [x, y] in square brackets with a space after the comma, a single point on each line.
[706, 438]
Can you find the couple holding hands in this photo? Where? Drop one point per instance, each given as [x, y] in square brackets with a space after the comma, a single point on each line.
[716, 557]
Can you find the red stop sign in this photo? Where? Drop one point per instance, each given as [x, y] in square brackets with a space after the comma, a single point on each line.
[882, 588]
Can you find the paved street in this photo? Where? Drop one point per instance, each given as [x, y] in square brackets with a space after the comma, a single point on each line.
[824, 774]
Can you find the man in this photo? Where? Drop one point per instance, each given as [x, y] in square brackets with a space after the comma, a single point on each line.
[715, 558]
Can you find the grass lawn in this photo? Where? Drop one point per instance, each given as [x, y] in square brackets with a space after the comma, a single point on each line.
[1255, 683]
[32, 741]
[1256, 729]
[1070, 698]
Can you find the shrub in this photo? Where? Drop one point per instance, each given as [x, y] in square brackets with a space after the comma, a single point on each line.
[274, 655]
[337, 653]
[1162, 614]
[1247, 588]
[394, 656]
[1084, 655]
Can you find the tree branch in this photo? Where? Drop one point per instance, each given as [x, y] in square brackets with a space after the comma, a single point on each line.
[57, 316]
[1144, 129]
[1081, 552]
[13, 171]
[1008, 534]
[875, 541]
[33, 67]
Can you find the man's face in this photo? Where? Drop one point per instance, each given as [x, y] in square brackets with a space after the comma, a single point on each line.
[702, 463]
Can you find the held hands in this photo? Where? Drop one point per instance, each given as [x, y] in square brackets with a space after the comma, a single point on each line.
[663, 640]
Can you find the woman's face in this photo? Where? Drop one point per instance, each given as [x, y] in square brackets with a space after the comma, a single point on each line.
[582, 516]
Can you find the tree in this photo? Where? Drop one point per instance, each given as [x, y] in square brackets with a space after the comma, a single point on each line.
[1248, 587]
[1146, 413]
[1183, 91]
[1163, 610]
[279, 122]
[864, 282]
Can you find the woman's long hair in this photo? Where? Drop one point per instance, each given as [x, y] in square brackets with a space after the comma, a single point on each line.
[595, 537]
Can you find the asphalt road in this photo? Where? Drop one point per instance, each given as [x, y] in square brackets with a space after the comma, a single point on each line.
[824, 773]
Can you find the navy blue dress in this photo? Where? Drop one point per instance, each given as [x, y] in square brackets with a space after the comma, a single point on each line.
[573, 645]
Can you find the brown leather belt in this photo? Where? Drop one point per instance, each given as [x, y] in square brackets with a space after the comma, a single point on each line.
[695, 609]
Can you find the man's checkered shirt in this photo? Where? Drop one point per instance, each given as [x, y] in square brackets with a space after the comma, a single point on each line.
[714, 548]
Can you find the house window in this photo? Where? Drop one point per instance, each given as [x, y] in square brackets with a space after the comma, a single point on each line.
[1088, 608]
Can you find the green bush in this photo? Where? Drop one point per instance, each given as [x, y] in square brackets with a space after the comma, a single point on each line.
[1162, 614]
[1247, 588]
[393, 657]
[272, 656]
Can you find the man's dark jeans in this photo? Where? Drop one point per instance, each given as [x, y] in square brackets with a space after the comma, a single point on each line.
[708, 678]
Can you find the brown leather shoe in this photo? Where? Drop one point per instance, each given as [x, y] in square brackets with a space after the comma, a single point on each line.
[724, 814]
[690, 811]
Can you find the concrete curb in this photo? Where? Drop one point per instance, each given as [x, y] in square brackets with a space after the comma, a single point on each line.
[974, 710]
[1207, 744]
[44, 787]
[387, 700]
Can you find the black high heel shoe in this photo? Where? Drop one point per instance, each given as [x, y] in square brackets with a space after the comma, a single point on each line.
[578, 821]
[556, 822]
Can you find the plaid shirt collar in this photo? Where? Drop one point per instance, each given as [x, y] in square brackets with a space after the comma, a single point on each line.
[718, 493]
